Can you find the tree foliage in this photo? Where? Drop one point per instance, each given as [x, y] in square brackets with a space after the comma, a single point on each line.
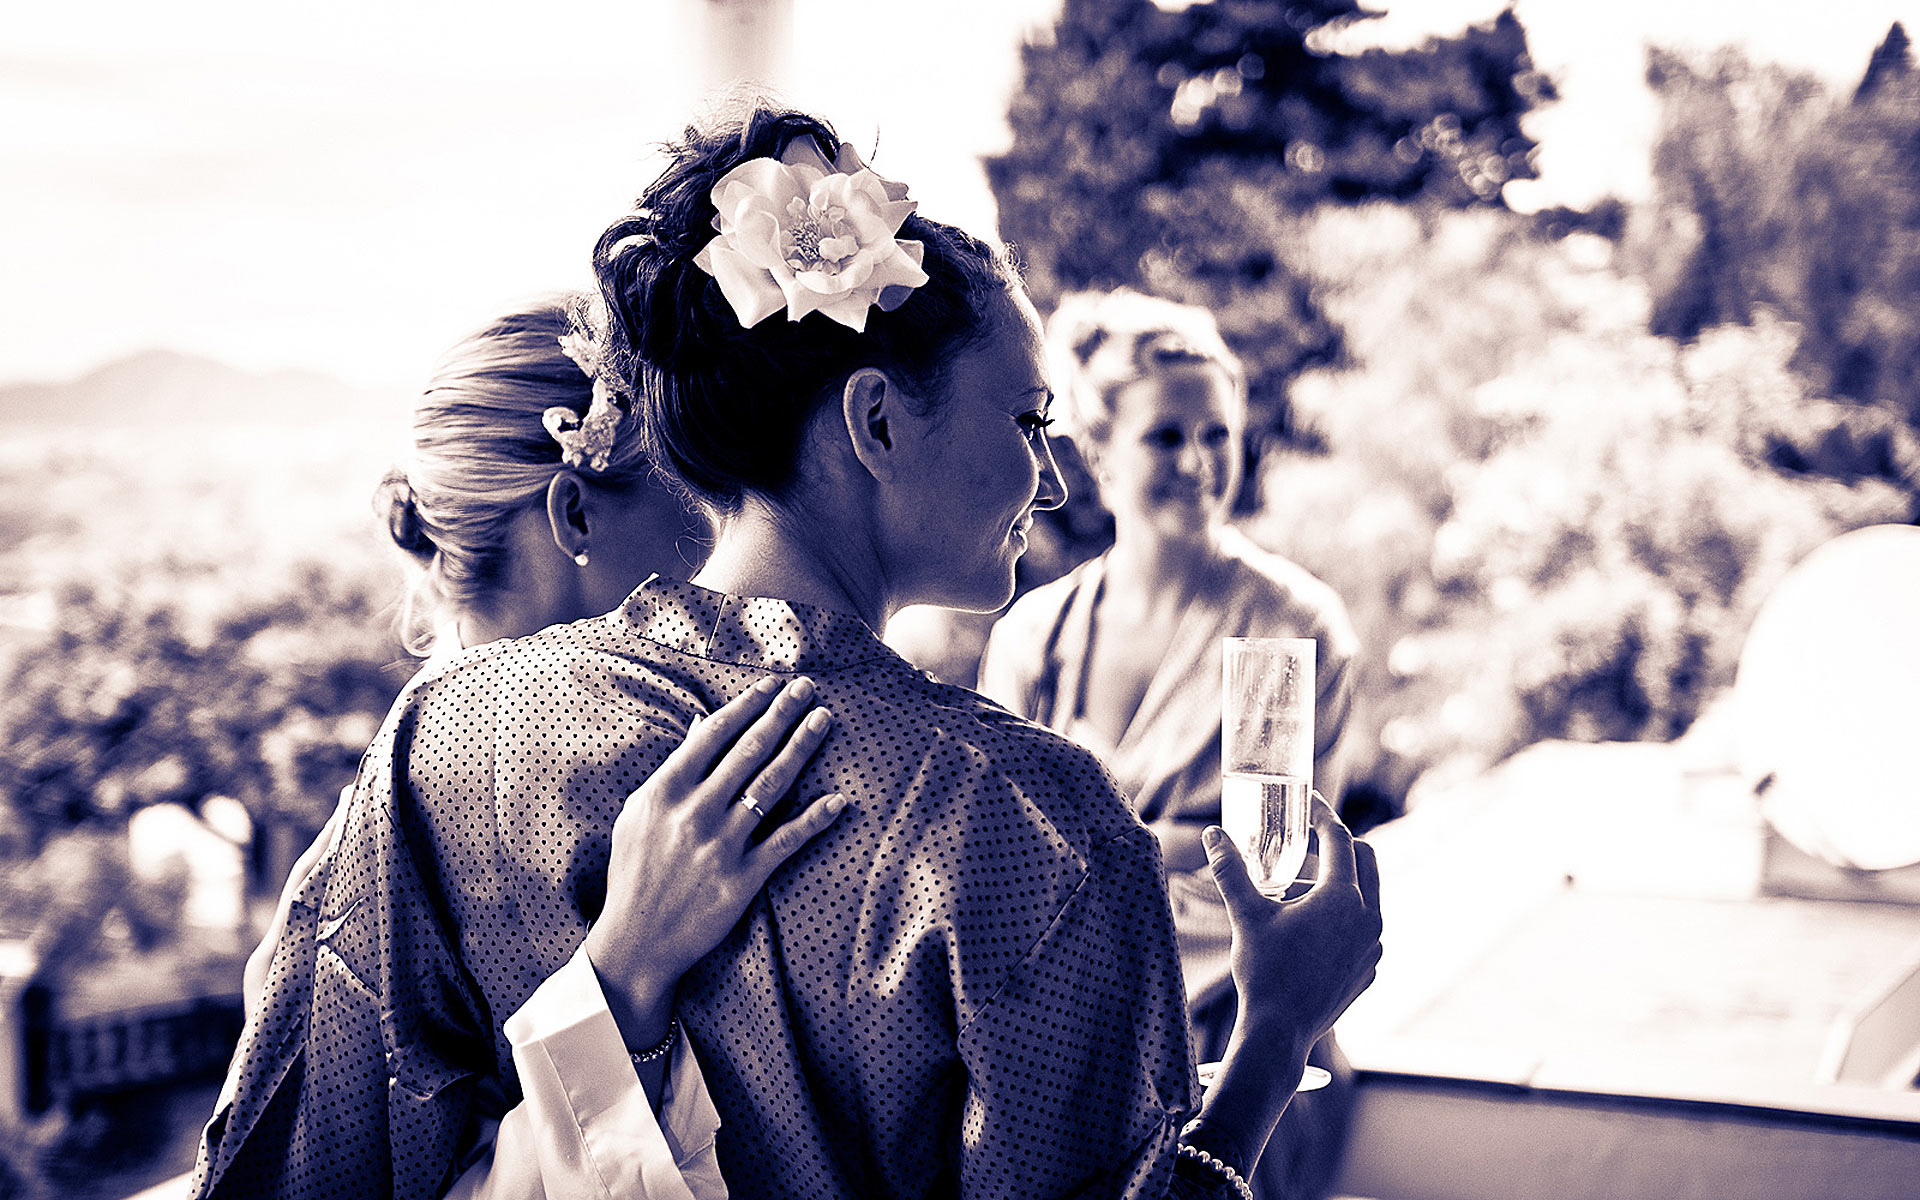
[1547, 521]
[1164, 149]
[191, 618]
[1773, 194]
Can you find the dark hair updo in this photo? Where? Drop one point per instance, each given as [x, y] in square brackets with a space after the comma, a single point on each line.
[725, 408]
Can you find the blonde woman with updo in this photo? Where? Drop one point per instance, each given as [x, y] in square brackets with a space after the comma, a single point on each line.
[526, 499]
[527, 502]
[1123, 653]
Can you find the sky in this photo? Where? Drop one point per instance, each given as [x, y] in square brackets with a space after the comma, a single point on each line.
[347, 188]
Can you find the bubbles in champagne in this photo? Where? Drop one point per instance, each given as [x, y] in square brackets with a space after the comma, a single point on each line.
[1266, 816]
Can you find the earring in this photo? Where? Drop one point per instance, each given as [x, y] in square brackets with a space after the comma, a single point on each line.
[581, 558]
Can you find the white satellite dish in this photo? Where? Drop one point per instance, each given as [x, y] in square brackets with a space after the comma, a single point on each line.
[1827, 703]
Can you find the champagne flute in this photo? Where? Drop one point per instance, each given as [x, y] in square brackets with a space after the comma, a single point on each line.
[1266, 755]
[1266, 763]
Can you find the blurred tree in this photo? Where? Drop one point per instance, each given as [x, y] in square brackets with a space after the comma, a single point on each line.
[196, 615]
[1165, 150]
[1770, 193]
[123, 704]
[1892, 58]
[1547, 521]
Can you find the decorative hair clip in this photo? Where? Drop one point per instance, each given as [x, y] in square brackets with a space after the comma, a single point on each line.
[809, 235]
[586, 442]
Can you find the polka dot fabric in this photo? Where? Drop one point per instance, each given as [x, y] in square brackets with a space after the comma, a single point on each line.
[967, 986]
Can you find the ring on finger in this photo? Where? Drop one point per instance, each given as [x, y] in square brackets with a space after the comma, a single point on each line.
[753, 806]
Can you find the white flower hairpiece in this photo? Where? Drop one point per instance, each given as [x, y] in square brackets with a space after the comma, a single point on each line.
[586, 442]
[809, 235]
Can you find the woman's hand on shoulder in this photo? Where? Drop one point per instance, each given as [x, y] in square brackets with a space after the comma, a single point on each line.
[683, 864]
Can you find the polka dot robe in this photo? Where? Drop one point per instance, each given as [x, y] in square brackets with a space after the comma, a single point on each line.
[967, 986]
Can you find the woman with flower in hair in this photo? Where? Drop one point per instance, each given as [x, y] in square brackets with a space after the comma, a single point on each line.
[968, 985]
[1122, 654]
[526, 502]
[999, 1010]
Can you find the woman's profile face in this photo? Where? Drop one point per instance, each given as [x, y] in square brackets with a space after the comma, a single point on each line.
[982, 470]
[1170, 461]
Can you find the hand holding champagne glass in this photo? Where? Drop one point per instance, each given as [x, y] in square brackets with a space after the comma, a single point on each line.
[1266, 762]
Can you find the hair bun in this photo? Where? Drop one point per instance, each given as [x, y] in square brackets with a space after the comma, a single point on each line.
[393, 502]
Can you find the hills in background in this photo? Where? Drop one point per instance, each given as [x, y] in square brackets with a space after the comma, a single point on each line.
[166, 389]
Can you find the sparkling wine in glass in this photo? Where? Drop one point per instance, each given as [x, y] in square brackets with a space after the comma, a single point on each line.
[1266, 755]
[1266, 816]
[1266, 767]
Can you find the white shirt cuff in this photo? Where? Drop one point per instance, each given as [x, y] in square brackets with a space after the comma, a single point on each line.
[575, 1071]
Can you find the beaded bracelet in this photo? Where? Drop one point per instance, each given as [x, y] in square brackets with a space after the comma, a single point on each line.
[1233, 1177]
[659, 1050]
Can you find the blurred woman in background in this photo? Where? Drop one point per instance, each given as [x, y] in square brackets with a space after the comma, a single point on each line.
[1123, 653]
[526, 502]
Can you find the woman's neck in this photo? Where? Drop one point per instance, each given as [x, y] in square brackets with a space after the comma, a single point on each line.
[515, 614]
[768, 550]
[1147, 564]
[541, 587]
[473, 629]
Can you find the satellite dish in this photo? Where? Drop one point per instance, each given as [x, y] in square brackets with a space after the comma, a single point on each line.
[1827, 702]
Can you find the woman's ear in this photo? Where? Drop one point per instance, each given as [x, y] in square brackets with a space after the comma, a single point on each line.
[871, 407]
[567, 514]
